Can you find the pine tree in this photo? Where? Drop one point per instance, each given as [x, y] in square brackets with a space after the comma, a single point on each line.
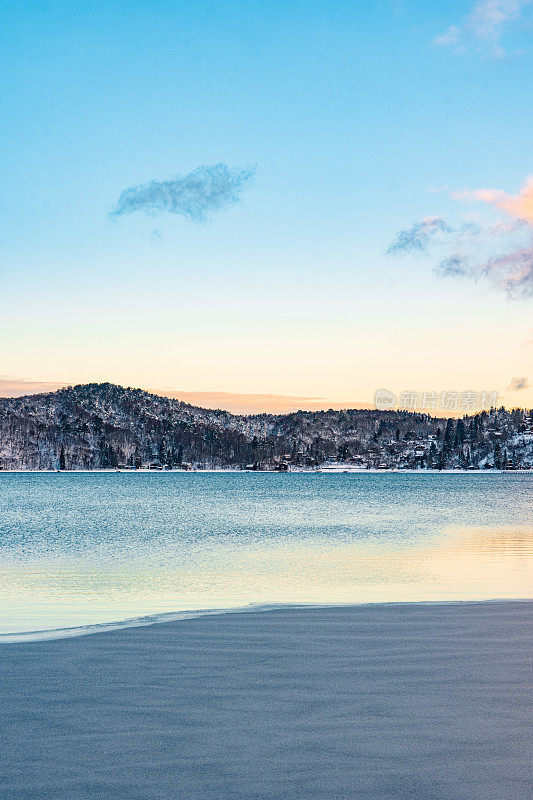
[448, 440]
[112, 457]
[497, 456]
[459, 435]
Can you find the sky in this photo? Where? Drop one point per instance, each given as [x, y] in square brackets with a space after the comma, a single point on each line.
[268, 205]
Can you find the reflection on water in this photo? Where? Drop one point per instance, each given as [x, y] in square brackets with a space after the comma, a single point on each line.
[79, 549]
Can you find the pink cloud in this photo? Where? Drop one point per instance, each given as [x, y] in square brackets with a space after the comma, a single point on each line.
[14, 387]
[518, 205]
[512, 271]
[468, 250]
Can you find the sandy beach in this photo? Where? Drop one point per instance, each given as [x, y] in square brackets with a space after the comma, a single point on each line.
[390, 702]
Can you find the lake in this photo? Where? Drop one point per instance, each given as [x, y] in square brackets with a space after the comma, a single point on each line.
[86, 548]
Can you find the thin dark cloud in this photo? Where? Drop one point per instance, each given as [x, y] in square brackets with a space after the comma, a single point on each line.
[512, 272]
[519, 383]
[453, 266]
[417, 237]
[195, 196]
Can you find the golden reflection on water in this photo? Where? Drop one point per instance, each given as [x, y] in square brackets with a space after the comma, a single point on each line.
[464, 564]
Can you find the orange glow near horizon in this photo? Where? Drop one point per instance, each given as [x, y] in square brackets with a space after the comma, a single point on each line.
[239, 402]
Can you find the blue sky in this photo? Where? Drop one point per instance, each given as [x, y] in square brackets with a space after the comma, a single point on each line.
[358, 121]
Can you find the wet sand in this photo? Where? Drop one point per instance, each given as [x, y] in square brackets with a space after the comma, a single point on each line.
[390, 702]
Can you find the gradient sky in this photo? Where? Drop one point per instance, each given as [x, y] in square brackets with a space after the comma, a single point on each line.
[360, 119]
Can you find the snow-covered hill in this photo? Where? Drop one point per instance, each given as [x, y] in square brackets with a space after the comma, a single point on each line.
[97, 426]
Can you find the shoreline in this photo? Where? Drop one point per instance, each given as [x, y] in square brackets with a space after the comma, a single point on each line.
[55, 634]
[297, 471]
[405, 701]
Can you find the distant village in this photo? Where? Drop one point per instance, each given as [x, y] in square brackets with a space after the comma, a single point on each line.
[103, 426]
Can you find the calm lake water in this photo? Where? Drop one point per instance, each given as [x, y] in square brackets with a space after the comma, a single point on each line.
[80, 549]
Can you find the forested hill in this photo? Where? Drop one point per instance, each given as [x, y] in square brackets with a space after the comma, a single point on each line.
[97, 426]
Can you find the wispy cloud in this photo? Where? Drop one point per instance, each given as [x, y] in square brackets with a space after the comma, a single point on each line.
[194, 196]
[512, 272]
[16, 387]
[454, 265]
[243, 403]
[483, 28]
[519, 383]
[500, 252]
[417, 237]
[420, 236]
[517, 205]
